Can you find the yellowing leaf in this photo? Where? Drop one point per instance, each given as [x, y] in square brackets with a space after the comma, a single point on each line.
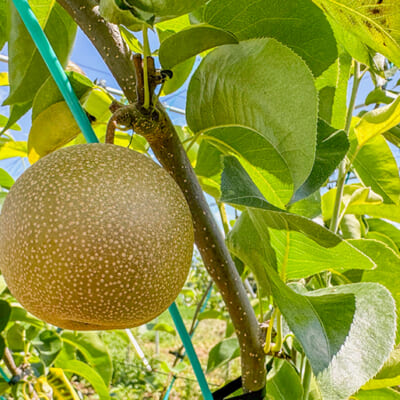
[62, 389]
[4, 79]
[375, 23]
[97, 103]
[51, 129]
[378, 121]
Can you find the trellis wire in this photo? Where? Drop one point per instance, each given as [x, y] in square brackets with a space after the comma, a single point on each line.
[56, 70]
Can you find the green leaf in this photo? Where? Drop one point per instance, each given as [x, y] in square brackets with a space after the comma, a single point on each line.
[4, 121]
[97, 103]
[221, 353]
[258, 156]
[378, 225]
[330, 339]
[6, 180]
[354, 198]
[377, 168]
[300, 246]
[90, 374]
[5, 312]
[180, 73]
[130, 39]
[378, 121]
[332, 146]
[4, 16]
[93, 349]
[382, 238]
[191, 41]
[110, 11]
[20, 314]
[16, 112]
[263, 85]
[393, 135]
[381, 394]
[389, 375]
[378, 96]
[288, 22]
[163, 327]
[375, 23]
[49, 94]
[167, 8]
[48, 343]
[283, 382]
[27, 70]
[387, 272]
[15, 337]
[53, 128]
[309, 207]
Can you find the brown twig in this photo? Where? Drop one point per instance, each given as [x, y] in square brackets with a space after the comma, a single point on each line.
[10, 363]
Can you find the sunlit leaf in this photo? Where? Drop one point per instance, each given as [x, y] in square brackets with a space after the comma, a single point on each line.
[254, 84]
[52, 129]
[6, 180]
[375, 23]
[288, 22]
[378, 121]
[62, 388]
[222, 353]
[377, 168]
[90, 374]
[191, 41]
[93, 350]
[27, 70]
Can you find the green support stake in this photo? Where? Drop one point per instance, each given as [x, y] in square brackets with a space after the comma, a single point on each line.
[60, 77]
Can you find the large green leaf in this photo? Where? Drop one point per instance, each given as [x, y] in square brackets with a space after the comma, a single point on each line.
[48, 343]
[27, 70]
[110, 11]
[332, 146]
[295, 245]
[377, 121]
[4, 15]
[263, 85]
[191, 41]
[258, 156]
[283, 382]
[377, 168]
[222, 352]
[288, 22]
[331, 340]
[5, 312]
[378, 225]
[387, 272]
[94, 351]
[167, 8]
[375, 23]
[90, 374]
[389, 375]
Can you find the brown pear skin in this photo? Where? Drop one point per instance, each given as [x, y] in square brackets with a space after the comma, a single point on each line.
[95, 236]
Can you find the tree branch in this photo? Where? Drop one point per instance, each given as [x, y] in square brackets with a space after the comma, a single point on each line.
[164, 141]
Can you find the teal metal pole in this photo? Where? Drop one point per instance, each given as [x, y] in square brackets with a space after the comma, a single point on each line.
[203, 307]
[4, 375]
[183, 333]
[56, 70]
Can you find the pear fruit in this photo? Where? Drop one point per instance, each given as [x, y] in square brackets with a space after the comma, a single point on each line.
[95, 236]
